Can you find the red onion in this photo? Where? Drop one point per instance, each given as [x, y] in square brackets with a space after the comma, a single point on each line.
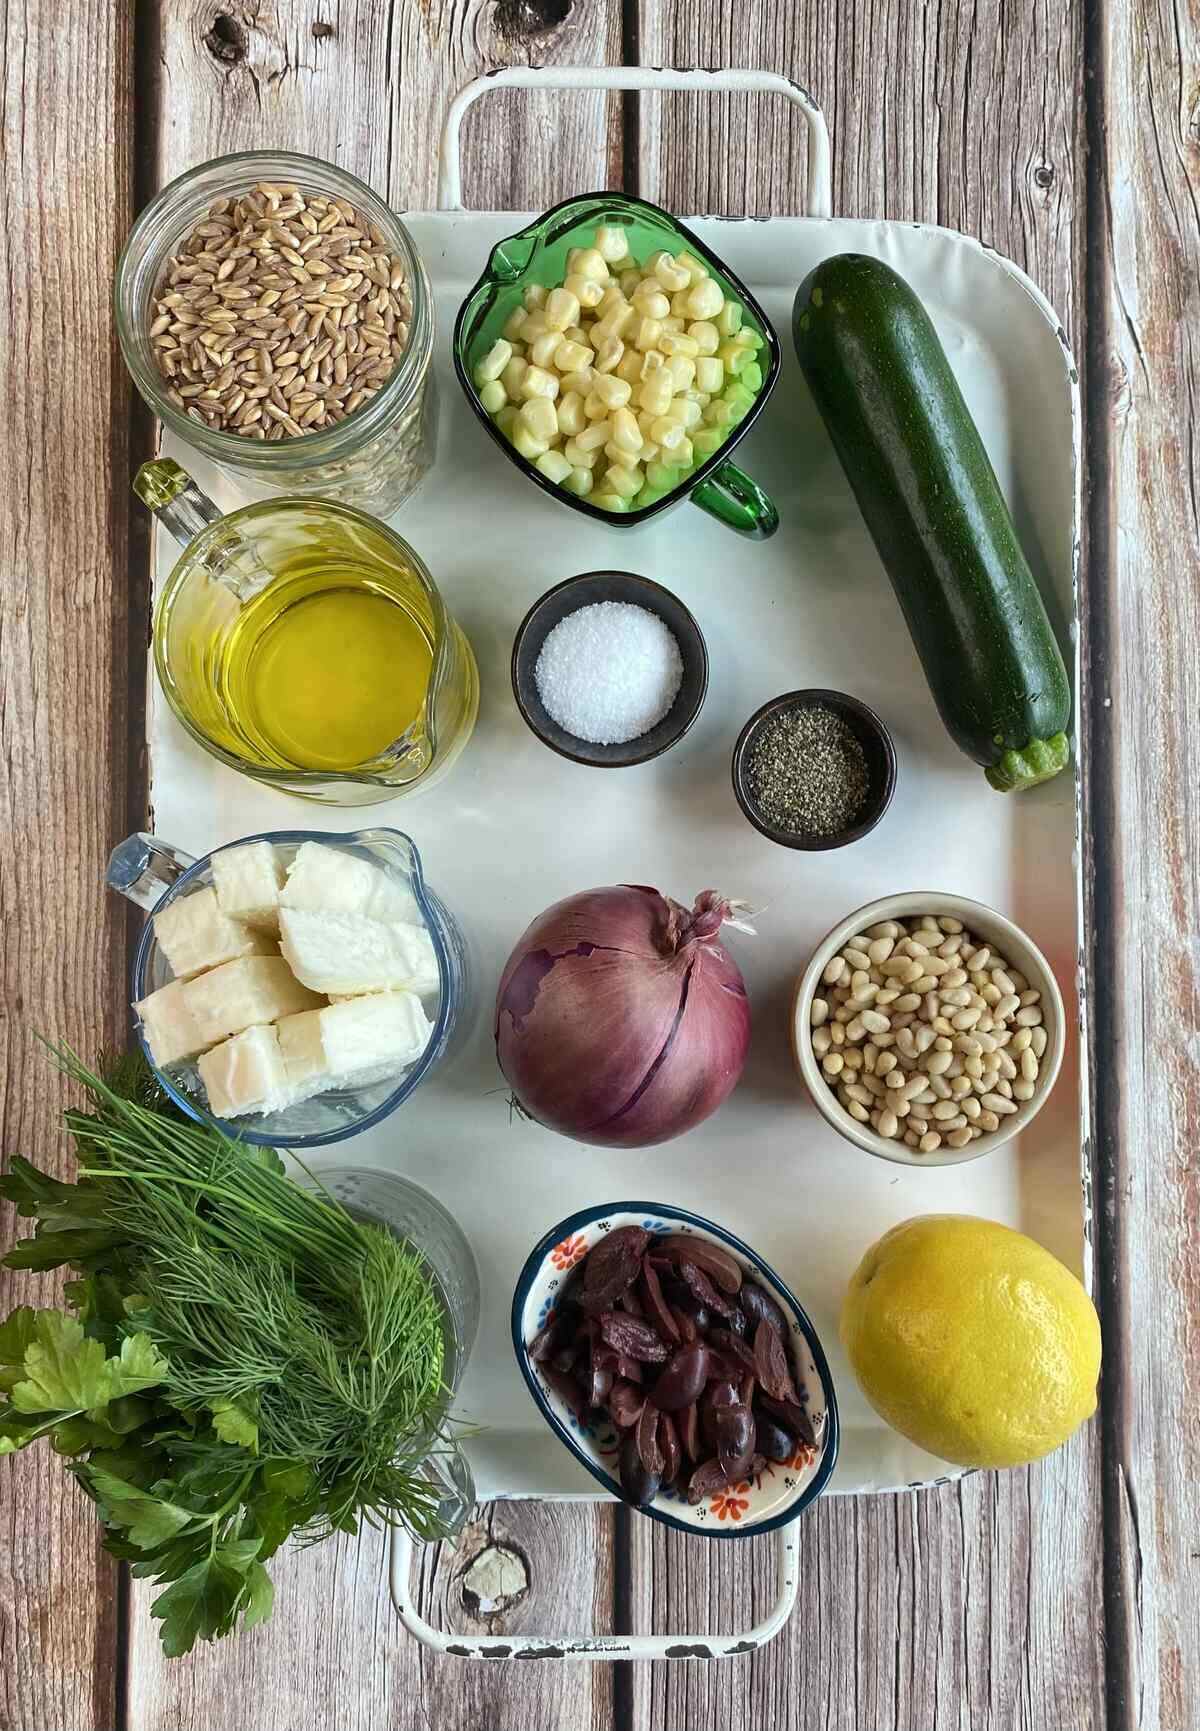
[620, 1019]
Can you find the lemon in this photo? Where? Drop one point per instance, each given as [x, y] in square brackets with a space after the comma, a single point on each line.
[971, 1340]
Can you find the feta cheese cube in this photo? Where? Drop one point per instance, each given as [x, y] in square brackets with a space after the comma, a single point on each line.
[328, 880]
[353, 1043]
[350, 954]
[171, 1030]
[194, 934]
[240, 993]
[247, 880]
[246, 1074]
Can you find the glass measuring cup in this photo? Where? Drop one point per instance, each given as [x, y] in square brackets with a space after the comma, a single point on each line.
[538, 254]
[378, 707]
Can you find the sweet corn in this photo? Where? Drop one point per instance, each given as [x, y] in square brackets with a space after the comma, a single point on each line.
[629, 280]
[660, 477]
[612, 324]
[687, 413]
[577, 334]
[667, 433]
[681, 456]
[534, 296]
[682, 369]
[626, 432]
[706, 334]
[704, 299]
[752, 376]
[671, 273]
[626, 482]
[513, 324]
[571, 418]
[611, 243]
[562, 309]
[581, 381]
[493, 396]
[594, 435]
[718, 413]
[579, 481]
[506, 418]
[608, 356]
[705, 440]
[679, 304]
[537, 382]
[646, 333]
[710, 373]
[568, 356]
[494, 362]
[629, 367]
[538, 416]
[554, 466]
[652, 362]
[672, 325]
[655, 392]
[578, 456]
[649, 452]
[610, 501]
[729, 319]
[675, 343]
[587, 291]
[735, 356]
[535, 326]
[593, 407]
[513, 374]
[543, 351]
[523, 441]
[650, 301]
[694, 266]
[587, 261]
[613, 392]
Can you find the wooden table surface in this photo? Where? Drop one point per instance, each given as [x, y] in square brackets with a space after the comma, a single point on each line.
[1065, 134]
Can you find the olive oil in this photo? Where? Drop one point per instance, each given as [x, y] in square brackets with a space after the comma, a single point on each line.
[327, 672]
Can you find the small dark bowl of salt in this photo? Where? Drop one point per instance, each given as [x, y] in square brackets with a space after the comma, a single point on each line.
[814, 769]
[609, 669]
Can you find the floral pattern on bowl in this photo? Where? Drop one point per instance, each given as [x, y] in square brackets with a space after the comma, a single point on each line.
[783, 1489]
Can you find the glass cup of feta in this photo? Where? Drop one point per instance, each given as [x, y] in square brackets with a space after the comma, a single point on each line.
[293, 987]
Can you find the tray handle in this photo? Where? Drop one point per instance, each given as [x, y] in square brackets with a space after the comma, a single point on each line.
[819, 201]
[586, 1648]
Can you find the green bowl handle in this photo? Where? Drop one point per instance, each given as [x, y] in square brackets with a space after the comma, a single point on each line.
[729, 495]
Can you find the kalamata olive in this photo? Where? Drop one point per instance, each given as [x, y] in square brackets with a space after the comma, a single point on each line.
[629, 1368]
[717, 1394]
[639, 1486]
[771, 1439]
[611, 1266]
[746, 1389]
[685, 1324]
[703, 1288]
[668, 1442]
[647, 1439]
[655, 1308]
[543, 1342]
[631, 1303]
[770, 1362]
[566, 1388]
[716, 1262]
[735, 1439]
[625, 1402]
[708, 1477]
[793, 1416]
[735, 1321]
[735, 1352]
[633, 1337]
[759, 1306]
[682, 1378]
[602, 1381]
[563, 1357]
[688, 1425]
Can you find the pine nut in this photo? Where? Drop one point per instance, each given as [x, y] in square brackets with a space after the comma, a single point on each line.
[958, 1138]
[1021, 1040]
[940, 1087]
[819, 1012]
[854, 1091]
[835, 967]
[971, 1106]
[1029, 1065]
[997, 1103]
[937, 1063]
[1038, 1040]
[886, 995]
[1030, 1017]
[1007, 1068]
[930, 1142]
[833, 1064]
[885, 1063]
[988, 1121]
[880, 949]
[857, 959]
[886, 929]
[888, 1124]
[918, 1123]
[821, 1041]
[875, 1021]
[858, 1112]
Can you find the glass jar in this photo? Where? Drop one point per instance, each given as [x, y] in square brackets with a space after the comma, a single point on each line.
[377, 455]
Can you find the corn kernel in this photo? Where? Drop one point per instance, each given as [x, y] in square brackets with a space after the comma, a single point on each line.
[587, 291]
[646, 333]
[735, 356]
[685, 413]
[675, 343]
[542, 352]
[569, 356]
[571, 418]
[611, 243]
[587, 261]
[580, 381]
[613, 392]
[660, 477]
[705, 299]
[680, 456]
[626, 482]
[554, 466]
[652, 362]
[579, 481]
[612, 324]
[610, 501]
[494, 362]
[594, 435]
[562, 309]
[671, 273]
[718, 413]
[513, 374]
[506, 418]
[577, 334]
[493, 396]
[538, 416]
[706, 440]
[611, 297]
[534, 297]
[629, 280]
[682, 369]
[629, 367]
[609, 354]
[706, 334]
[626, 432]
[524, 441]
[672, 325]
[594, 408]
[752, 376]
[679, 306]
[577, 456]
[513, 324]
[650, 301]
[649, 452]
[667, 432]
[534, 327]
[729, 319]
[710, 373]
[537, 382]
[655, 393]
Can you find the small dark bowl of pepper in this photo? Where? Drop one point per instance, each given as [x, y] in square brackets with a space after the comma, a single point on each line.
[839, 769]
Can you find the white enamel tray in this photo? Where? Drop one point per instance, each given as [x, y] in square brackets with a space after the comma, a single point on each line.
[514, 827]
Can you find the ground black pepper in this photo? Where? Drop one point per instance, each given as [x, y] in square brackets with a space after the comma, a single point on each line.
[807, 772]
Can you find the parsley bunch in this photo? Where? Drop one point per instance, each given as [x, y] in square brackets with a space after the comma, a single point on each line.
[241, 1362]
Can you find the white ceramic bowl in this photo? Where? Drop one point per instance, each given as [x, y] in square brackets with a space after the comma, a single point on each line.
[782, 1490]
[984, 922]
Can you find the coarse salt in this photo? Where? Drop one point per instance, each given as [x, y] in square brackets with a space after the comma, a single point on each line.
[609, 672]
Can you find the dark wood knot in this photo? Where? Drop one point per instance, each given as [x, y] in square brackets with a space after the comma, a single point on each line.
[523, 20]
[227, 40]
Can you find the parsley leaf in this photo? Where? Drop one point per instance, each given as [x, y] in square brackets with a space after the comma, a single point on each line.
[16, 1334]
[149, 1520]
[67, 1372]
[205, 1601]
[233, 1424]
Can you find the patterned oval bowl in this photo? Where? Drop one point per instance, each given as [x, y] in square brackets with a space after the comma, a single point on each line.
[783, 1488]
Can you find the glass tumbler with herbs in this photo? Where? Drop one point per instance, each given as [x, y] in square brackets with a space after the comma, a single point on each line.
[240, 1359]
[275, 314]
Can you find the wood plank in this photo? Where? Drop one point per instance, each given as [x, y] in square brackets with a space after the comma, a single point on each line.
[367, 86]
[1144, 252]
[65, 169]
[974, 127]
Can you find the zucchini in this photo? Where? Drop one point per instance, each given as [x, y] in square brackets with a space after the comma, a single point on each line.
[931, 500]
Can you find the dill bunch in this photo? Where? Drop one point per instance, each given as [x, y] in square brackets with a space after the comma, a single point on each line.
[275, 1366]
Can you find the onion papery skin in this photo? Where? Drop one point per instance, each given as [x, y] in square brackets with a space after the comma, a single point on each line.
[621, 1020]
